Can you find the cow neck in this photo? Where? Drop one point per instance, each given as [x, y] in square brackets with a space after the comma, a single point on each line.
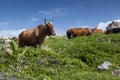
[43, 31]
[72, 30]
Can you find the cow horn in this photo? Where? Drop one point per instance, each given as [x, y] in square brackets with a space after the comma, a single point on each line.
[45, 21]
[96, 27]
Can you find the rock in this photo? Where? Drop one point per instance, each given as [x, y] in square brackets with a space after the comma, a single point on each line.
[104, 66]
[116, 72]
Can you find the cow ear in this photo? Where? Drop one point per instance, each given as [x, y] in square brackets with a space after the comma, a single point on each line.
[95, 27]
[89, 28]
[36, 30]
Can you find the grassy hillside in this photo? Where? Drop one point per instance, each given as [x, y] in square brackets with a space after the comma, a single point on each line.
[63, 59]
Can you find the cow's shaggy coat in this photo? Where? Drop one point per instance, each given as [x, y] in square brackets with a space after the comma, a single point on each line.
[36, 35]
[75, 32]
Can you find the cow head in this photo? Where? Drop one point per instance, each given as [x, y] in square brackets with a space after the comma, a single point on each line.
[90, 30]
[49, 28]
[93, 29]
[14, 38]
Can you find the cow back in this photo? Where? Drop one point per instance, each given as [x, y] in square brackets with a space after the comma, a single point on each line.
[95, 31]
[81, 32]
[74, 32]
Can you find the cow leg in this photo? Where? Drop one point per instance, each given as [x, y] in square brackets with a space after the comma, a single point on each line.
[71, 36]
[40, 45]
[21, 45]
[35, 45]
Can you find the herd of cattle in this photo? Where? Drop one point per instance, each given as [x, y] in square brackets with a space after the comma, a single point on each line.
[36, 36]
[113, 27]
[75, 32]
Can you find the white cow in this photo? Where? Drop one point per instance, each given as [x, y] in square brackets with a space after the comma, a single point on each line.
[116, 72]
[113, 25]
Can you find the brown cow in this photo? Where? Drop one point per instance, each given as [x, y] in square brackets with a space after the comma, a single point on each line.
[74, 32]
[96, 31]
[36, 35]
[14, 38]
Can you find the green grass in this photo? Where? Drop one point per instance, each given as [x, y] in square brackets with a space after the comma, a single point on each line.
[63, 59]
